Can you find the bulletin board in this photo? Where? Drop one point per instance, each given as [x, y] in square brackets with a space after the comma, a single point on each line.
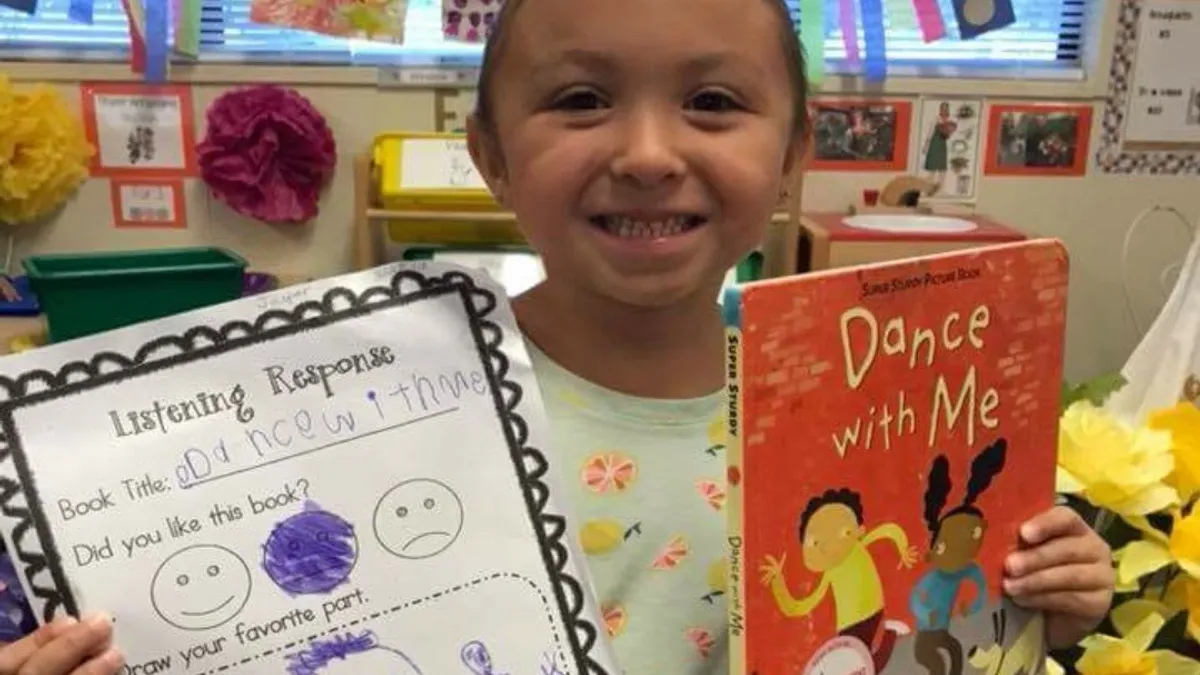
[1151, 120]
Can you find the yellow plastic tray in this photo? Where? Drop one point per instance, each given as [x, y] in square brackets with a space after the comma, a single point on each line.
[449, 183]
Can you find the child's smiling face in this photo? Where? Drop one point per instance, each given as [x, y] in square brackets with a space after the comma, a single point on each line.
[642, 144]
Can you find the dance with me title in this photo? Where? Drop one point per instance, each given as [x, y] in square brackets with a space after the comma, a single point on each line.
[890, 427]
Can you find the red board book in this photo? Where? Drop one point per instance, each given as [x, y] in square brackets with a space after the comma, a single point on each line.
[890, 428]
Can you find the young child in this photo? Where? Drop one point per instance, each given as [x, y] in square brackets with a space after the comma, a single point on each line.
[642, 145]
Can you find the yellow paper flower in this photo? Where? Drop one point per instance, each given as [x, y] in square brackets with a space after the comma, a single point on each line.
[1131, 654]
[1181, 595]
[1183, 423]
[1112, 465]
[1157, 550]
[43, 153]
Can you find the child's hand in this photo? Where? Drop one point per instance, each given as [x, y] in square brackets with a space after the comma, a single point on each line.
[64, 647]
[1066, 571]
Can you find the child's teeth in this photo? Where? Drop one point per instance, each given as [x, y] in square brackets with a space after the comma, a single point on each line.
[628, 227]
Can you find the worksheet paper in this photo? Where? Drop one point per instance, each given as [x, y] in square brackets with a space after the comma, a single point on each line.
[347, 477]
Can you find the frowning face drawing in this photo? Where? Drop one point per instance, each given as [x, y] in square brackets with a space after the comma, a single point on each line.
[200, 587]
[418, 518]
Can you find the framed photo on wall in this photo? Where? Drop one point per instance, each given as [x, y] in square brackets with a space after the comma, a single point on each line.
[1038, 140]
[861, 134]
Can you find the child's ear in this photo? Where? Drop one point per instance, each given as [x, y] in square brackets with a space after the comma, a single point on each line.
[799, 152]
[485, 153]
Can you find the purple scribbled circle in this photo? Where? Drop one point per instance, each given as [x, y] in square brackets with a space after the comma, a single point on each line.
[311, 552]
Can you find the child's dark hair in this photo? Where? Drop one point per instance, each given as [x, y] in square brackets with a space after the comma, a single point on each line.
[848, 498]
[493, 50]
[988, 463]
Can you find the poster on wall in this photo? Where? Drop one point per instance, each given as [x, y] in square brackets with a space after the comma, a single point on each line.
[140, 130]
[947, 148]
[1164, 96]
[148, 203]
[1038, 140]
[858, 135]
[381, 21]
[1145, 128]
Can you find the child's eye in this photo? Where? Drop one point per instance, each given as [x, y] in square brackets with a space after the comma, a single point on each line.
[579, 100]
[714, 101]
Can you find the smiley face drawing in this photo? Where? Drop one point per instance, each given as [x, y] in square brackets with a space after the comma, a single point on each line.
[418, 518]
[200, 587]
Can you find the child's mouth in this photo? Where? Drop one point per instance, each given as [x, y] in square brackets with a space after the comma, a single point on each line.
[627, 227]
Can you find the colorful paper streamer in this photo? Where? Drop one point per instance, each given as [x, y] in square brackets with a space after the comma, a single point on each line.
[812, 36]
[157, 36]
[848, 19]
[81, 11]
[137, 29]
[929, 18]
[875, 41]
[186, 19]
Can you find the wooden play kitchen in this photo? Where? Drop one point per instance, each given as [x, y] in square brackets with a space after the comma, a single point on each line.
[891, 225]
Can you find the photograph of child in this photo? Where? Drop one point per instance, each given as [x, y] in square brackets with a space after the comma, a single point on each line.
[1039, 140]
[861, 135]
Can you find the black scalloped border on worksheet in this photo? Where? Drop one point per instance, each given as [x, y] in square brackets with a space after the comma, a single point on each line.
[203, 342]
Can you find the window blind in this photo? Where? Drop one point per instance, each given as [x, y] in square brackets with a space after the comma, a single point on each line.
[1048, 33]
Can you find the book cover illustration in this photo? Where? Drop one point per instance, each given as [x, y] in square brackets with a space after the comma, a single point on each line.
[890, 428]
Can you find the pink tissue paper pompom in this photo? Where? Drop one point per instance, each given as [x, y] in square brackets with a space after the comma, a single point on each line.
[267, 153]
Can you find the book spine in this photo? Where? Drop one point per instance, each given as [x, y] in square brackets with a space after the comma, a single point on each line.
[735, 582]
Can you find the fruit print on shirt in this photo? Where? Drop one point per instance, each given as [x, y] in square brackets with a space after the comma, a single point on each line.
[607, 472]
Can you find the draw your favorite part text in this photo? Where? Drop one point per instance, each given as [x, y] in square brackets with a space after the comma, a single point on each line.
[967, 402]
[345, 412]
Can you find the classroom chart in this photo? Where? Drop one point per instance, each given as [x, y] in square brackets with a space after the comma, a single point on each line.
[1164, 99]
[343, 477]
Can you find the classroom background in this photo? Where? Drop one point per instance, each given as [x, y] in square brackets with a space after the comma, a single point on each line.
[1067, 54]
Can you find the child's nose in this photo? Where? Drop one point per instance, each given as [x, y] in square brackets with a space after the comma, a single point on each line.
[647, 153]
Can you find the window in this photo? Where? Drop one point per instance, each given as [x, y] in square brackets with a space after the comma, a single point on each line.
[1046, 41]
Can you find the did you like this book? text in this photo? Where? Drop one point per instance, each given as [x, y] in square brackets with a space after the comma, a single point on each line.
[890, 428]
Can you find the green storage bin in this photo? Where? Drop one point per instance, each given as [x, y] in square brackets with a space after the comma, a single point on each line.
[85, 293]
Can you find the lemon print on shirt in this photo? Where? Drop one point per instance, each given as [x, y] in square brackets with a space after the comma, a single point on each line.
[608, 472]
[717, 435]
[605, 535]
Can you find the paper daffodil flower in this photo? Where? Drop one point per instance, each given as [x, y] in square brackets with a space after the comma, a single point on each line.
[1183, 423]
[1131, 654]
[1112, 465]
[1181, 595]
[1157, 550]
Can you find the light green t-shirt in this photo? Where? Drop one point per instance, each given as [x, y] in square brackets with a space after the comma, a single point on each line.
[645, 484]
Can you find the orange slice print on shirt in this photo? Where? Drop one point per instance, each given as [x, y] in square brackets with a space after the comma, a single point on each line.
[609, 472]
[712, 492]
[614, 620]
[672, 554]
[701, 639]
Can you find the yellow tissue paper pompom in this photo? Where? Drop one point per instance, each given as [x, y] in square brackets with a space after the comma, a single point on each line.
[1114, 466]
[44, 153]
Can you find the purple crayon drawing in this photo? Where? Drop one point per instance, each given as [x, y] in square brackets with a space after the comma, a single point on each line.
[477, 659]
[310, 552]
[350, 654]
